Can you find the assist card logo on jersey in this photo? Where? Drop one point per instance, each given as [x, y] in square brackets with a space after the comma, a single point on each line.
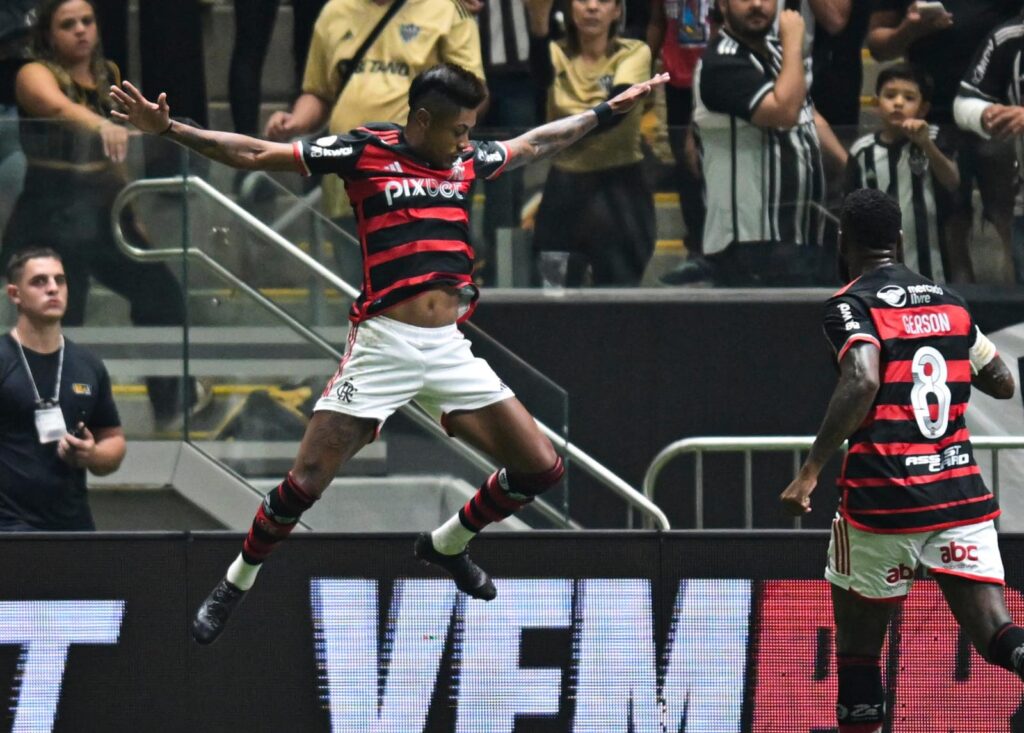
[894, 295]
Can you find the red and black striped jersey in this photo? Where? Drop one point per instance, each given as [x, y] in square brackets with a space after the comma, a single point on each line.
[412, 219]
[910, 465]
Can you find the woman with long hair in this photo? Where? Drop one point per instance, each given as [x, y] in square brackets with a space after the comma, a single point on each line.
[75, 156]
[597, 201]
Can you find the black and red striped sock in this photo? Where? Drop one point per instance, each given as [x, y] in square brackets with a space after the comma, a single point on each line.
[489, 504]
[275, 519]
[504, 493]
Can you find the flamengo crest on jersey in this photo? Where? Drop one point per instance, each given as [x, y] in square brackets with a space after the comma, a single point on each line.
[413, 219]
[910, 465]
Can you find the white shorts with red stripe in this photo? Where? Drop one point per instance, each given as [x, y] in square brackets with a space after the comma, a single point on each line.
[882, 566]
[389, 363]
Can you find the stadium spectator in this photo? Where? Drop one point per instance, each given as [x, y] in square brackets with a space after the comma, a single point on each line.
[74, 173]
[16, 22]
[911, 488]
[254, 24]
[601, 181]
[57, 412]
[989, 105]
[839, 71]
[411, 185]
[942, 42]
[678, 33]
[342, 94]
[513, 105]
[831, 15]
[906, 159]
[762, 151]
[170, 48]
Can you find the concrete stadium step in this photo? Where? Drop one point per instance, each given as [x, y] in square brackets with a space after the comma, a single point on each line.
[237, 352]
[261, 384]
[274, 458]
[141, 509]
[144, 495]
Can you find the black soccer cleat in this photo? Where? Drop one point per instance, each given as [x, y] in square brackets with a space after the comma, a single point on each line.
[212, 616]
[469, 577]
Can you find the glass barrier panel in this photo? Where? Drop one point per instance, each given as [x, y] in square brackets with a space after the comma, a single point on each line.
[265, 379]
[58, 190]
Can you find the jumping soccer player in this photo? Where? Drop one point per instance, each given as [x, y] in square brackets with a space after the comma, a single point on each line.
[908, 352]
[409, 188]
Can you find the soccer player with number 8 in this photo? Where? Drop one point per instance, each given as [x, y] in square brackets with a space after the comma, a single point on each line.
[908, 352]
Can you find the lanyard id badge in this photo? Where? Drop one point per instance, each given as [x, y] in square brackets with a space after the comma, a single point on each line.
[49, 418]
[50, 424]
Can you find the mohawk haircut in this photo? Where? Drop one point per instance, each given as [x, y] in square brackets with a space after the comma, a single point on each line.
[445, 89]
[871, 221]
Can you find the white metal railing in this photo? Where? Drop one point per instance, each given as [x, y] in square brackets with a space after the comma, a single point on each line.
[194, 184]
[795, 444]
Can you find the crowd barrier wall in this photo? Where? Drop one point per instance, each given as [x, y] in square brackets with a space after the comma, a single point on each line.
[597, 632]
[646, 368]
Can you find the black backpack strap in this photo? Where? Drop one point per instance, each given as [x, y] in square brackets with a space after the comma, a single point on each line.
[357, 57]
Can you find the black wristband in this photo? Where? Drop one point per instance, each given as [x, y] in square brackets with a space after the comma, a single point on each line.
[170, 124]
[604, 113]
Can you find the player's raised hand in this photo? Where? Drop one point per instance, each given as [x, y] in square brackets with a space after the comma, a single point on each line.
[796, 499]
[622, 103]
[151, 117]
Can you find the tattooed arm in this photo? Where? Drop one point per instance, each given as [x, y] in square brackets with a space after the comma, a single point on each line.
[239, 151]
[547, 140]
[851, 400]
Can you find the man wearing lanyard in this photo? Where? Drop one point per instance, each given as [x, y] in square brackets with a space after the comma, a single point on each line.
[57, 413]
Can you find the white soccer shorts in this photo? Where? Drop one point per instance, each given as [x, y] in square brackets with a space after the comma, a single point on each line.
[882, 566]
[388, 363]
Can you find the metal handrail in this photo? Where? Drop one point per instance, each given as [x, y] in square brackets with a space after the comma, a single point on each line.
[193, 183]
[795, 443]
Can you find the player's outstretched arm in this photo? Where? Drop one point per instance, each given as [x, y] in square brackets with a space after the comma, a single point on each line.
[995, 380]
[547, 140]
[239, 151]
[853, 397]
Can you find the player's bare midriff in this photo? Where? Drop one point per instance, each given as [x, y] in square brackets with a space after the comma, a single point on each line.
[436, 307]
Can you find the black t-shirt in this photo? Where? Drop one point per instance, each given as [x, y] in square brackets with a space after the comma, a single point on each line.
[947, 54]
[36, 487]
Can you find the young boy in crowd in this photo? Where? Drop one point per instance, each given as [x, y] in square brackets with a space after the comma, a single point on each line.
[906, 159]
